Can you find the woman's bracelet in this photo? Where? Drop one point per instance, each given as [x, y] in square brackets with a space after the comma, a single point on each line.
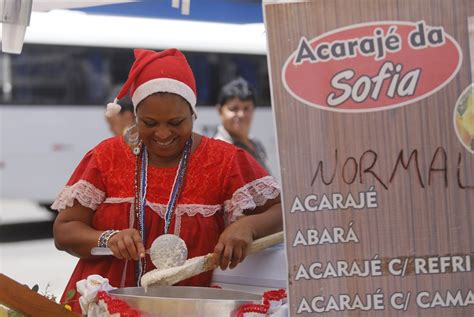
[104, 238]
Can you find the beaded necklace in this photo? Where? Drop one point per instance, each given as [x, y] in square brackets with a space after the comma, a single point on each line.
[141, 177]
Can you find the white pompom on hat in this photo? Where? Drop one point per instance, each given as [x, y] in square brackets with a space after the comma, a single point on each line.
[113, 108]
[152, 72]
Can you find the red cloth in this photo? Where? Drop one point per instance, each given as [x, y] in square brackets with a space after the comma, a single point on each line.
[220, 181]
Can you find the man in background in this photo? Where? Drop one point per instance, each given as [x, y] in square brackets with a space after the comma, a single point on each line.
[236, 105]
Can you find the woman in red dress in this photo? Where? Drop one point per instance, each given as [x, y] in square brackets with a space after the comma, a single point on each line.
[214, 196]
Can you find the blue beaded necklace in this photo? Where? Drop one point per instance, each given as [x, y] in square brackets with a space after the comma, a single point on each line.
[141, 177]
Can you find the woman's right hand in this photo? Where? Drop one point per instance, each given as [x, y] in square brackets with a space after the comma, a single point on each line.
[127, 245]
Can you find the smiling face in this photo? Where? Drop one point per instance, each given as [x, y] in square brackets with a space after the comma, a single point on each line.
[164, 124]
[236, 117]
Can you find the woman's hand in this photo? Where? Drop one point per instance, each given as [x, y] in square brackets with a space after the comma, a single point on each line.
[234, 241]
[232, 245]
[127, 244]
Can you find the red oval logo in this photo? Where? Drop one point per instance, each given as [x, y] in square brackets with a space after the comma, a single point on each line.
[372, 66]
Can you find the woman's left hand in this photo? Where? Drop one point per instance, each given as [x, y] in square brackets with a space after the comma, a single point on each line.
[234, 241]
[231, 248]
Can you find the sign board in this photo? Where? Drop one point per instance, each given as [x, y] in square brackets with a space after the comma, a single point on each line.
[374, 112]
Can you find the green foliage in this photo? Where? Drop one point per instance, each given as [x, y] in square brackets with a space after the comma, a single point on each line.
[70, 294]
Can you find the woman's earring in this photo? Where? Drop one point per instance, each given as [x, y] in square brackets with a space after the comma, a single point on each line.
[132, 139]
[136, 150]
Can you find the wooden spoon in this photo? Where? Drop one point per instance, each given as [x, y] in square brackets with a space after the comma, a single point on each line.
[197, 265]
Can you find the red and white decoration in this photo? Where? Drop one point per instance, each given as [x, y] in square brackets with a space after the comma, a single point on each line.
[95, 302]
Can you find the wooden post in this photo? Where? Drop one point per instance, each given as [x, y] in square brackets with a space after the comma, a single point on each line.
[374, 110]
[28, 302]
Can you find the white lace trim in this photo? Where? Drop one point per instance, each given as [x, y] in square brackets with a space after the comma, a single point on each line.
[84, 192]
[250, 196]
[190, 210]
[181, 209]
[119, 200]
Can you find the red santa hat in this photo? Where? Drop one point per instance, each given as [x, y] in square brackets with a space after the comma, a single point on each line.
[152, 72]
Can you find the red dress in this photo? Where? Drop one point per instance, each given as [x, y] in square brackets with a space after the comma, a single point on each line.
[220, 182]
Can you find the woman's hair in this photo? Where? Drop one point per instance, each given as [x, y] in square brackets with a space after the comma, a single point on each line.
[239, 88]
[126, 104]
